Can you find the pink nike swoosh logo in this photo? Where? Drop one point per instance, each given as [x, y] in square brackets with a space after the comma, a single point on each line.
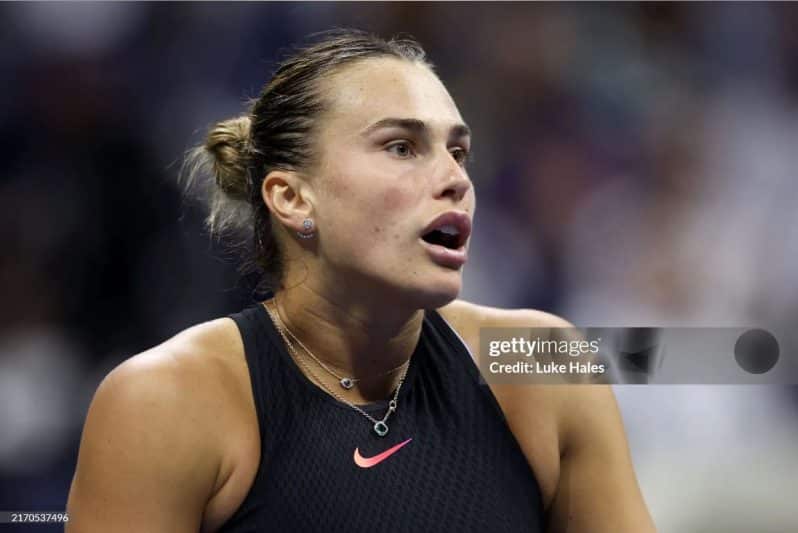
[364, 462]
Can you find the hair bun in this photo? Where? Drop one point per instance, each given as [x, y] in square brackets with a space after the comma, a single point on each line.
[228, 145]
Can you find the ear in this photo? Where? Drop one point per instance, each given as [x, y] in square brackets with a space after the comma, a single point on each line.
[288, 197]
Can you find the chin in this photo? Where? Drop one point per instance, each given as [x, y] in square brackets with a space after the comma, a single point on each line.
[439, 290]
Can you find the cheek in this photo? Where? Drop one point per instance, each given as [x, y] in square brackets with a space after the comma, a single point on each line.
[394, 198]
[336, 188]
[368, 217]
[395, 207]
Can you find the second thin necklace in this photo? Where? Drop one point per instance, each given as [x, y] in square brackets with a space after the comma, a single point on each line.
[380, 427]
[344, 381]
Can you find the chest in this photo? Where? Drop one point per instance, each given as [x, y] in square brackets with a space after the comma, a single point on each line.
[448, 459]
[432, 472]
[458, 453]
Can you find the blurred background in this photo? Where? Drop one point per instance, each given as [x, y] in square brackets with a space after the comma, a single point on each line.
[635, 164]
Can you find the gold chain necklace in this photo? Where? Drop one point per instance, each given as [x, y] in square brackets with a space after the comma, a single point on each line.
[380, 426]
[345, 382]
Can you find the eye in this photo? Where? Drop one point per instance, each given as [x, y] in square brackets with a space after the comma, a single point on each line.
[461, 155]
[403, 149]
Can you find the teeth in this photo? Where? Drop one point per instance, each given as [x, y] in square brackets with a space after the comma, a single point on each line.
[449, 230]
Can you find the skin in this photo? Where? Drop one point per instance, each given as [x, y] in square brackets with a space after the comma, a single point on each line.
[371, 196]
[171, 439]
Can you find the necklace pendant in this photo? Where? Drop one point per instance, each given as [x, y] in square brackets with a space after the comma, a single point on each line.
[346, 383]
[381, 428]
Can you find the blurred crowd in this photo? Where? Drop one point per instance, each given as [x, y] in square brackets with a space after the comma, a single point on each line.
[634, 165]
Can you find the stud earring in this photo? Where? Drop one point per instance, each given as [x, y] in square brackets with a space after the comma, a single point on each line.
[307, 229]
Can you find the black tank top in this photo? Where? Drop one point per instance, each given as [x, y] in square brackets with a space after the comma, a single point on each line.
[449, 463]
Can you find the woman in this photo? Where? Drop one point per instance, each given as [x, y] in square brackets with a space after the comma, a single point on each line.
[349, 399]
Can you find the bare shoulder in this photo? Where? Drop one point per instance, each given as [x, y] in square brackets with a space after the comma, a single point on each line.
[572, 435]
[502, 317]
[150, 458]
[573, 403]
[467, 318]
[197, 369]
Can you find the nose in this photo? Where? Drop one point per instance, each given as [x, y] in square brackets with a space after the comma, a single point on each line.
[455, 182]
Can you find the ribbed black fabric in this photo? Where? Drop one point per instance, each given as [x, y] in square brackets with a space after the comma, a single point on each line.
[463, 470]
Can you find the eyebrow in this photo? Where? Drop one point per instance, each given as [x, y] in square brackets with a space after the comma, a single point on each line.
[418, 126]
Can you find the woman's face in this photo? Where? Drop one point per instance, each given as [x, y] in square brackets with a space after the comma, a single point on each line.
[392, 168]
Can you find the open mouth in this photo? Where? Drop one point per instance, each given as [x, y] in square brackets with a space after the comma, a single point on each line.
[450, 230]
[447, 236]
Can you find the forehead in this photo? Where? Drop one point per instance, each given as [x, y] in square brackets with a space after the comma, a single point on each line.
[367, 91]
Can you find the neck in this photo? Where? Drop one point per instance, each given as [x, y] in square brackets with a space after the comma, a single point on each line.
[355, 338]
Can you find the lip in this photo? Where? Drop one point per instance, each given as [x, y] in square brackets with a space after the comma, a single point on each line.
[446, 257]
[449, 257]
[458, 219]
